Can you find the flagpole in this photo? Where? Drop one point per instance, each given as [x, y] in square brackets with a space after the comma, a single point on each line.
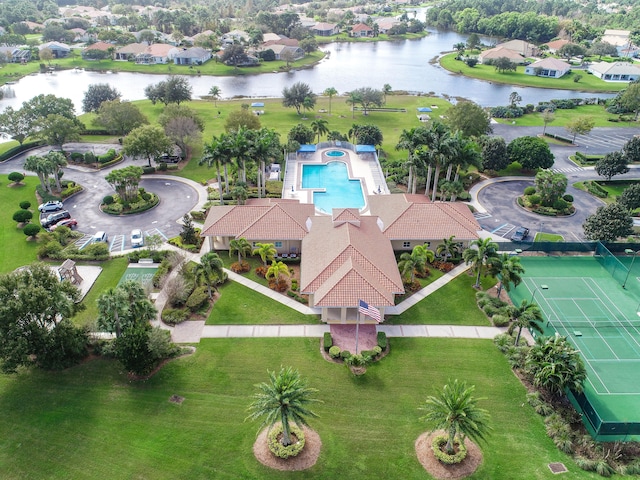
[357, 327]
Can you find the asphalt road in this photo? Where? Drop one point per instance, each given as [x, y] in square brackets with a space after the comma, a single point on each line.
[176, 199]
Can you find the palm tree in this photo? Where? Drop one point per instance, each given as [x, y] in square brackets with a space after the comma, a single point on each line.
[416, 261]
[284, 398]
[55, 161]
[508, 269]
[527, 315]
[211, 269]
[319, 127]
[212, 156]
[441, 149]
[267, 252]
[240, 246]
[330, 92]
[386, 90]
[478, 257]
[265, 145]
[112, 305]
[353, 99]
[448, 248]
[411, 140]
[456, 411]
[240, 143]
[215, 92]
[277, 270]
[41, 168]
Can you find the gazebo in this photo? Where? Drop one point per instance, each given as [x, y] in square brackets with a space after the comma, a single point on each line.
[68, 271]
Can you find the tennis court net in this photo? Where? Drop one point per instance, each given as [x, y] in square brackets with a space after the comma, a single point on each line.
[611, 263]
[597, 324]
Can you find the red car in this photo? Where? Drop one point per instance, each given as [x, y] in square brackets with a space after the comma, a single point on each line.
[69, 222]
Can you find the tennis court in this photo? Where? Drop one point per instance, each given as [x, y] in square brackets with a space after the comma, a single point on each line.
[139, 273]
[582, 300]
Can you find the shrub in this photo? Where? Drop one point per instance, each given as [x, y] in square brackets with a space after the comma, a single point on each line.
[240, 267]
[31, 230]
[15, 177]
[294, 284]
[534, 199]
[161, 272]
[489, 310]
[344, 354]
[377, 350]
[444, 267]
[198, 215]
[172, 316]
[328, 341]
[568, 198]
[445, 458]
[530, 190]
[162, 167]
[382, 340]
[261, 271]
[96, 251]
[595, 189]
[560, 204]
[22, 216]
[148, 170]
[160, 345]
[50, 249]
[280, 450]
[334, 352]
[25, 205]
[500, 320]
[199, 296]
[108, 200]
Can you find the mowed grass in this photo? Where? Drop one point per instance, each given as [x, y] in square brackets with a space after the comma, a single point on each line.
[453, 304]
[563, 116]
[92, 422]
[240, 305]
[15, 250]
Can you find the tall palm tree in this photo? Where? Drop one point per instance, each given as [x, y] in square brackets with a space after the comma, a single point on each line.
[241, 246]
[448, 248]
[441, 149]
[330, 92]
[41, 168]
[508, 269]
[267, 252]
[319, 127]
[386, 90]
[411, 140]
[284, 398]
[527, 315]
[211, 269]
[478, 256]
[215, 92]
[55, 161]
[112, 306]
[467, 153]
[212, 155]
[456, 410]
[241, 150]
[353, 98]
[265, 145]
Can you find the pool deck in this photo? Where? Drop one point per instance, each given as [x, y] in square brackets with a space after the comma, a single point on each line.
[364, 167]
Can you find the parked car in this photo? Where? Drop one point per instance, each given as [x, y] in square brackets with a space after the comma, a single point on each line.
[137, 238]
[54, 218]
[168, 159]
[69, 222]
[100, 237]
[520, 234]
[53, 206]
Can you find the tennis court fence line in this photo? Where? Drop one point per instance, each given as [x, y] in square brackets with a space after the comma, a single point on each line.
[561, 247]
[602, 430]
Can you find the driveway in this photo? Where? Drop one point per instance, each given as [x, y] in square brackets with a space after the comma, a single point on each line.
[177, 197]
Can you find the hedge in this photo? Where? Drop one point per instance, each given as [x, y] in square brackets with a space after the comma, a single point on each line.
[328, 341]
[595, 189]
[558, 137]
[280, 450]
[19, 149]
[382, 340]
[445, 458]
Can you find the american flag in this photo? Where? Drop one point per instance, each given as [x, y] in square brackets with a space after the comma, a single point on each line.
[365, 309]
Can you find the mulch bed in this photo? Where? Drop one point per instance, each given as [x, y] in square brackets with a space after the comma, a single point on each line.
[307, 458]
[447, 472]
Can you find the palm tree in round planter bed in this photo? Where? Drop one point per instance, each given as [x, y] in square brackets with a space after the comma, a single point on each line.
[456, 411]
[285, 399]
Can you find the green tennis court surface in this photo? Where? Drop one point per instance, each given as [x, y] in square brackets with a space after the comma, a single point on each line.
[582, 300]
[143, 274]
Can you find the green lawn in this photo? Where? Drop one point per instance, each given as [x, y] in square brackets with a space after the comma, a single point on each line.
[562, 117]
[588, 83]
[240, 305]
[92, 422]
[614, 187]
[453, 304]
[548, 237]
[15, 250]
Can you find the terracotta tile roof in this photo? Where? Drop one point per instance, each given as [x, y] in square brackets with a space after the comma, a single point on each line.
[103, 46]
[551, 64]
[409, 217]
[500, 52]
[159, 49]
[357, 255]
[362, 27]
[557, 44]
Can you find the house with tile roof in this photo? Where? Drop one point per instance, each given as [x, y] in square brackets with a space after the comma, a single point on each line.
[500, 52]
[615, 72]
[324, 29]
[556, 45]
[356, 264]
[349, 255]
[130, 51]
[521, 47]
[156, 53]
[96, 47]
[361, 30]
[548, 67]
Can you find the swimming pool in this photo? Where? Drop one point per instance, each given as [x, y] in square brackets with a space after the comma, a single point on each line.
[340, 191]
[334, 153]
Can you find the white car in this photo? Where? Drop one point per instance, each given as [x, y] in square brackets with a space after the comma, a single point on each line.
[137, 238]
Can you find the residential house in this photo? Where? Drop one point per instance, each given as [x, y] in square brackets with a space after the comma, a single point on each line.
[15, 54]
[191, 56]
[324, 29]
[500, 52]
[101, 46]
[282, 40]
[235, 36]
[385, 24]
[34, 27]
[361, 30]
[615, 72]
[548, 67]
[525, 49]
[130, 52]
[296, 53]
[156, 53]
[410, 220]
[59, 50]
[556, 45]
[348, 260]
[80, 35]
[621, 39]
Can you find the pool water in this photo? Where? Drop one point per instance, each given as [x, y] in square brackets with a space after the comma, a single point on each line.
[340, 192]
[334, 153]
